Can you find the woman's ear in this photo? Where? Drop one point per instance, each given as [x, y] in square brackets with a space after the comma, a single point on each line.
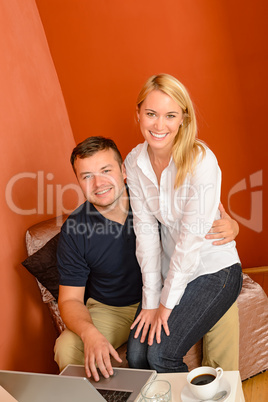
[138, 113]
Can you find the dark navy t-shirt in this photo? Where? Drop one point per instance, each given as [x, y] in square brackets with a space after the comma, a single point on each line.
[100, 254]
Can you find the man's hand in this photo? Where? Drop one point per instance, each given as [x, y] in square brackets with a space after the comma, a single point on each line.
[225, 229]
[97, 351]
[144, 319]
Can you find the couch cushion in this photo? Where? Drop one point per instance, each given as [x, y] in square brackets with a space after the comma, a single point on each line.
[36, 237]
[43, 265]
[40, 233]
[253, 317]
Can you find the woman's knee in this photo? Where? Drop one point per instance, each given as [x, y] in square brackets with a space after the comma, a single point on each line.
[137, 361]
[164, 360]
[141, 356]
[137, 354]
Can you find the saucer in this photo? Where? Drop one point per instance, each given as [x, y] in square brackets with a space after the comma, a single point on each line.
[187, 396]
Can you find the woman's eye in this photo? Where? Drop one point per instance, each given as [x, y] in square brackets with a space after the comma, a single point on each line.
[150, 114]
[171, 116]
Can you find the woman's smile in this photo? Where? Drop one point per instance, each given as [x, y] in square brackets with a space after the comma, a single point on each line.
[158, 136]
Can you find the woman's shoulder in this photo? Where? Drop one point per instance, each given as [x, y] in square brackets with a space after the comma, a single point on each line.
[206, 166]
[207, 157]
[131, 158]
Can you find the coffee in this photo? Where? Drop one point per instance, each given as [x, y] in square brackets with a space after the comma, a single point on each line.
[203, 379]
[204, 382]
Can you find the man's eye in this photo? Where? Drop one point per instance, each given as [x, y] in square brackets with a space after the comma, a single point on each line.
[88, 177]
[106, 171]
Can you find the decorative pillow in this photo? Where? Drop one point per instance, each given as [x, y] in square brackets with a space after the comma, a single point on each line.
[43, 265]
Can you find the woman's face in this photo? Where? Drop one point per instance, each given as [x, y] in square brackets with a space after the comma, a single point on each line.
[160, 118]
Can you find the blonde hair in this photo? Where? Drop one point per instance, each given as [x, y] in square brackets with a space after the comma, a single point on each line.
[186, 147]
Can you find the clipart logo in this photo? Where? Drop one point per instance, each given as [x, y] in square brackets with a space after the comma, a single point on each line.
[255, 221]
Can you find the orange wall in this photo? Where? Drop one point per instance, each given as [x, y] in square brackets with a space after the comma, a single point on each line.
[35, 137]
[103, 51]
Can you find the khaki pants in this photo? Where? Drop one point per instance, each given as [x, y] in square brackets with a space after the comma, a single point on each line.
[113, 322]
[220, 344]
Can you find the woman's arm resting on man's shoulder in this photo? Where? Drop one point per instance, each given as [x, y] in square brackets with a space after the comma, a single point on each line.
[225, 229]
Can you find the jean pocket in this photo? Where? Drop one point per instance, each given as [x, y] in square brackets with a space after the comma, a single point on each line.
[234, 277]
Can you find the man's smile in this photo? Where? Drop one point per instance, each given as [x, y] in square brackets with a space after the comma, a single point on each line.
[104, 191]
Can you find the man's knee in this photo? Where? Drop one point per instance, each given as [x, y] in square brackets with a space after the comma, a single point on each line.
[68, 349]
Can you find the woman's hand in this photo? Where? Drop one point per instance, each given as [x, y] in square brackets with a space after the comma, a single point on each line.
[225, 229]
[144, 320]
[161, 318]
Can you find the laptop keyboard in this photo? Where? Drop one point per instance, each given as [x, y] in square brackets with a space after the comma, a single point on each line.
[114, 396]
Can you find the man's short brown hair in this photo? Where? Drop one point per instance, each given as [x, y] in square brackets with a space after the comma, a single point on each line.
[91, 145]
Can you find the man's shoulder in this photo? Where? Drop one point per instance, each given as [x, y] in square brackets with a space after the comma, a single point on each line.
[82, 214]
[75, 228]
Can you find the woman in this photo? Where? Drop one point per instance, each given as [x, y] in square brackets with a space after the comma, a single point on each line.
[175, 185]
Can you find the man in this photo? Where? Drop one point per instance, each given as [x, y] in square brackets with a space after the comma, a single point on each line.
[97, 262]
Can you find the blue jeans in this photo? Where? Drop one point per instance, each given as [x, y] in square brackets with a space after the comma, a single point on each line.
[205, 300]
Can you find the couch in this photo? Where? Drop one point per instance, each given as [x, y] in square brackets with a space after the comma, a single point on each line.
[41, 244]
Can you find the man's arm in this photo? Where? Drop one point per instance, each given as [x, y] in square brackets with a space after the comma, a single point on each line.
[225, 228]
[97, 349]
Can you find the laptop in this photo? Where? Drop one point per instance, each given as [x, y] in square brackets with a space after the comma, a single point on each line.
[125, 383]
[38, 387]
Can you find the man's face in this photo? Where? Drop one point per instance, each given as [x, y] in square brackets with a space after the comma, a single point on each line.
[101, 178]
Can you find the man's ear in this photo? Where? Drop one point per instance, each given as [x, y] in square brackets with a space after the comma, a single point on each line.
[123, 169]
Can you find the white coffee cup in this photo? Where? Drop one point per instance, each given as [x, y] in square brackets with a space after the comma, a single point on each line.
[208, 386]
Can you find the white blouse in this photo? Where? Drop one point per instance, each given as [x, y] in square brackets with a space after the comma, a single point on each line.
[175, 252]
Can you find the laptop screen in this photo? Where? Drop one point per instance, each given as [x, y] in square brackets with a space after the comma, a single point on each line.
[36, 387]
[124, 379]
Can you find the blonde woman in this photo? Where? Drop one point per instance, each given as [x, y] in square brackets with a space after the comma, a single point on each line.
[175, 185]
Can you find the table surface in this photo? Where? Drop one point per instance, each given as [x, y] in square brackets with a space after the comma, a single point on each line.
[178, 381]
[5, 396]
